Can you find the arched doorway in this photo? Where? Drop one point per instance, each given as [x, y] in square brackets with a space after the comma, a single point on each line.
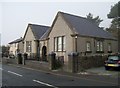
[44, 53]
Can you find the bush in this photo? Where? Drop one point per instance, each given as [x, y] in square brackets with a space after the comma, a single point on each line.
[57, 64]
[11, 56]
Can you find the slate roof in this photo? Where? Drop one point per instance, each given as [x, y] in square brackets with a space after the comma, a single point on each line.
[85, 27]
[38, 30]
[16, 41]
[45, 35]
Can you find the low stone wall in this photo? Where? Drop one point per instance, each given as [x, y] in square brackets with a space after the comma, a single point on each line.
[28, 63]
[86, 62]
[37, 64]
[78, 63]
[8, 60]
[13, 61]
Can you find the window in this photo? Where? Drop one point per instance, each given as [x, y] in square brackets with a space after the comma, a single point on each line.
[99, 46]
[64, 39]
[109, 47]
[15, 44]
[55, 44]
[28, 46]
[59, 43]
[88, 45]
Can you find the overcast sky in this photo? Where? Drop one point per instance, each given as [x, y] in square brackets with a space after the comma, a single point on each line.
[16, 15]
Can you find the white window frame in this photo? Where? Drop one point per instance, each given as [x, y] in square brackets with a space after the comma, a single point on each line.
[55, 44]
[64, 43]
[99, 46]
[109, 47]
[28, 46]
[59, 43]
[88, 46]
[98, 49]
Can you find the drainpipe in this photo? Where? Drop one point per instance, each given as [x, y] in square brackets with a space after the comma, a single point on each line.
[76, 43]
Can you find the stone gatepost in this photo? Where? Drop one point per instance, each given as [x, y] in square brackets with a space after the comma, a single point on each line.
[52, 60]
[73, 62]
[19, 58]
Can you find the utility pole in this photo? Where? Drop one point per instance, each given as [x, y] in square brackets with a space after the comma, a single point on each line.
[119, 35]
[118, 27]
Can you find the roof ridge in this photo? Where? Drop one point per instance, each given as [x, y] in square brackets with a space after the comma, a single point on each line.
[38, 25]
[44, 34]
[16, 40]
[72, 14]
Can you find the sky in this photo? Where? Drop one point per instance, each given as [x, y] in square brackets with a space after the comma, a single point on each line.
[16, 15]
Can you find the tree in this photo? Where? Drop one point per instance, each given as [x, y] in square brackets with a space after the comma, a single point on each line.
[97, 20]
[114, 14]
[113, 29]
[114, 11]
[5, 50]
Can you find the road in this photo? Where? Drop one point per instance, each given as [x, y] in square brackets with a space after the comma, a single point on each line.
[17, 76]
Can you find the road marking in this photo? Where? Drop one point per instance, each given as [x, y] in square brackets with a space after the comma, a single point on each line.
[66, 75]
[45, 83]
[15, 73]
[70, 76]
[1, 69]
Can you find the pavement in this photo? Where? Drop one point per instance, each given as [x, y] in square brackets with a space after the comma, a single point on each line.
[102, 71]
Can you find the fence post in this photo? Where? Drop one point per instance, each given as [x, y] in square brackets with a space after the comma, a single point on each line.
[73, 62]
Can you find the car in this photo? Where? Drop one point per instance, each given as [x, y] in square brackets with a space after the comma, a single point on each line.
[113, 61]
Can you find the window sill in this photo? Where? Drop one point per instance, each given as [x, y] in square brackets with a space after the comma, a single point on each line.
[28, 52]
[59, 51]
[109, 51]
[88, 51]
[99, 51]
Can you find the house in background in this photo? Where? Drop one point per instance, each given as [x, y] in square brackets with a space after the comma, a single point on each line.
[31, 41]
[71, 33]
[16, 46]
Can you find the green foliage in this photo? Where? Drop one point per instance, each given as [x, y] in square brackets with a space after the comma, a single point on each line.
[97, 20]
[114, 11]
[115, 23]
[5, 50]
[58, 64]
